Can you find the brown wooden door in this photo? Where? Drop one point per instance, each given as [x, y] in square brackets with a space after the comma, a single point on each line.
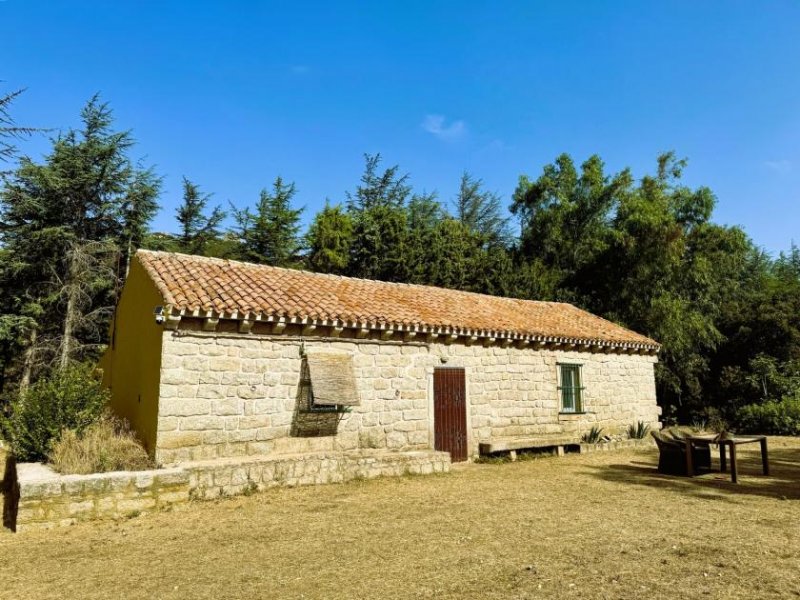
[450, 412]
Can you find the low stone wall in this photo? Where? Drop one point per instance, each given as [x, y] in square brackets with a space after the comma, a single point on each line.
[45, 499]
[617, 445]
[224, 477]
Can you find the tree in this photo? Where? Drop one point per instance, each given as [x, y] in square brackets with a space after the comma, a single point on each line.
[380, 244]
[270, 235]
[196, 229]
[480, 211]
[66, 223]
[565, 222]
[380, 224]
[9, 131]
[379, 189]
[329, 240]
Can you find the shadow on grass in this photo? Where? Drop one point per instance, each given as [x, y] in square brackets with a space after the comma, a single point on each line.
[782, 483]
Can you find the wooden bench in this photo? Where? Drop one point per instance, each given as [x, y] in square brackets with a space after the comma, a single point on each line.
[511, 445]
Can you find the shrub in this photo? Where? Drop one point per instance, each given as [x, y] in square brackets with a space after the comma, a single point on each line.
[772, 417]
[107, 445]
[638, 431]
[70, 399]
[593, 435]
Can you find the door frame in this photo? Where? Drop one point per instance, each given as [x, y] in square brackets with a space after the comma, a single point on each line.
[467, 406]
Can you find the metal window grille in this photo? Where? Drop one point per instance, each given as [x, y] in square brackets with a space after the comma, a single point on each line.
[571, 389]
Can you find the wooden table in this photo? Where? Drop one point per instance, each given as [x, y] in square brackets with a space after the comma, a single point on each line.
[731, 443]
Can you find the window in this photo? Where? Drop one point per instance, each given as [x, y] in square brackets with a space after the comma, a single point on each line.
[571, 389]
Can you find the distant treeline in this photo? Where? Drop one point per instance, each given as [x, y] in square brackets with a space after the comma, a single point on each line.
[644, 253]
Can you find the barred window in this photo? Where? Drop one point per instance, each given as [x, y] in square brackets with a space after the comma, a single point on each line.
[571, 388]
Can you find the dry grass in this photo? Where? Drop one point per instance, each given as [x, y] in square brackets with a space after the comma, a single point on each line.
[592, 526]
[107, 445]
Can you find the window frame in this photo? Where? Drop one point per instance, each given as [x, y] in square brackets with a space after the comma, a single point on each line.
[576, 390]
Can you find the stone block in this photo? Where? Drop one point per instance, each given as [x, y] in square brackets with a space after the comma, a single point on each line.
[83, 508]
[228, 406]
[211, 391]
[132, 505]
[179, 439]
[224, 363]
[414, 415]
[255, 421]
[201, 423]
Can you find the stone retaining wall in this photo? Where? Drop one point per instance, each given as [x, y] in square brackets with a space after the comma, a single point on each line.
[223, 477]
[45, 499]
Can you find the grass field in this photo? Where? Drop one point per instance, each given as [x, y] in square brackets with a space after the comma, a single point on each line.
[583, 526]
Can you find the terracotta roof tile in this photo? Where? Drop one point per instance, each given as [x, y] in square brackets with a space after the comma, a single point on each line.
[194, 283]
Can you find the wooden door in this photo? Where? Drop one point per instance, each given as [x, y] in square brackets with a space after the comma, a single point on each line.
[450, 412]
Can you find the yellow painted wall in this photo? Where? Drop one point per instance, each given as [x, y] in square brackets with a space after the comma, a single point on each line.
[132, 363]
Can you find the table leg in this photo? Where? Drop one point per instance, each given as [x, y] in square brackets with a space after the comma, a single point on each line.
[723, 463]
[689, 465]
[764, 457]
[734, 477]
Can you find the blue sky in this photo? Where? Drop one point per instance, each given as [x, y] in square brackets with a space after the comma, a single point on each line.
[232, 94]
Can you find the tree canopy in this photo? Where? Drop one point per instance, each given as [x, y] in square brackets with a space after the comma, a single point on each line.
[645, 253]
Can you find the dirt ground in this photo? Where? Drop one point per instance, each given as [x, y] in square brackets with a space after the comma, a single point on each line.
[583, 526]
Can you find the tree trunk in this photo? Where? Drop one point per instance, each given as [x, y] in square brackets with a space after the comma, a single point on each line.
[71, 316]
[27, 365]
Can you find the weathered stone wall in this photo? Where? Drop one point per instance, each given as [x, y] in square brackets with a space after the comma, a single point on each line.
[47, 499]
[224, 477]
[227, 394]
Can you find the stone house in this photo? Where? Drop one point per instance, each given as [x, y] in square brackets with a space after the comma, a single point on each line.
[212, 358]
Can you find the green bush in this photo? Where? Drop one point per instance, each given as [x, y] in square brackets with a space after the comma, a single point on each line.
[772, 417]
[71, 399]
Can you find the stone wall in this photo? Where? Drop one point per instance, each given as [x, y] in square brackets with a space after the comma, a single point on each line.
[228, 394]
[45, 499]
[223, 477]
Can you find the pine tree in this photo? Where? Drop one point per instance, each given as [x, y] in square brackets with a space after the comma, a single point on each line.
[379, 189]
[380, 248]
[270, 235]
[329, 240]
[196, 229]
[66, 223]
[480, 211]
[9, 131]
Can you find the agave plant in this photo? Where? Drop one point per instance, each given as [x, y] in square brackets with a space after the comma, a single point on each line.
[593, 435]
[638, 431]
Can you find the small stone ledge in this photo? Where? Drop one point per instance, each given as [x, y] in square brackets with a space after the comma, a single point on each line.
[47, 499]
[616, 445]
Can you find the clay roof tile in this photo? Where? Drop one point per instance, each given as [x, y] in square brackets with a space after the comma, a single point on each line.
[209, 284]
